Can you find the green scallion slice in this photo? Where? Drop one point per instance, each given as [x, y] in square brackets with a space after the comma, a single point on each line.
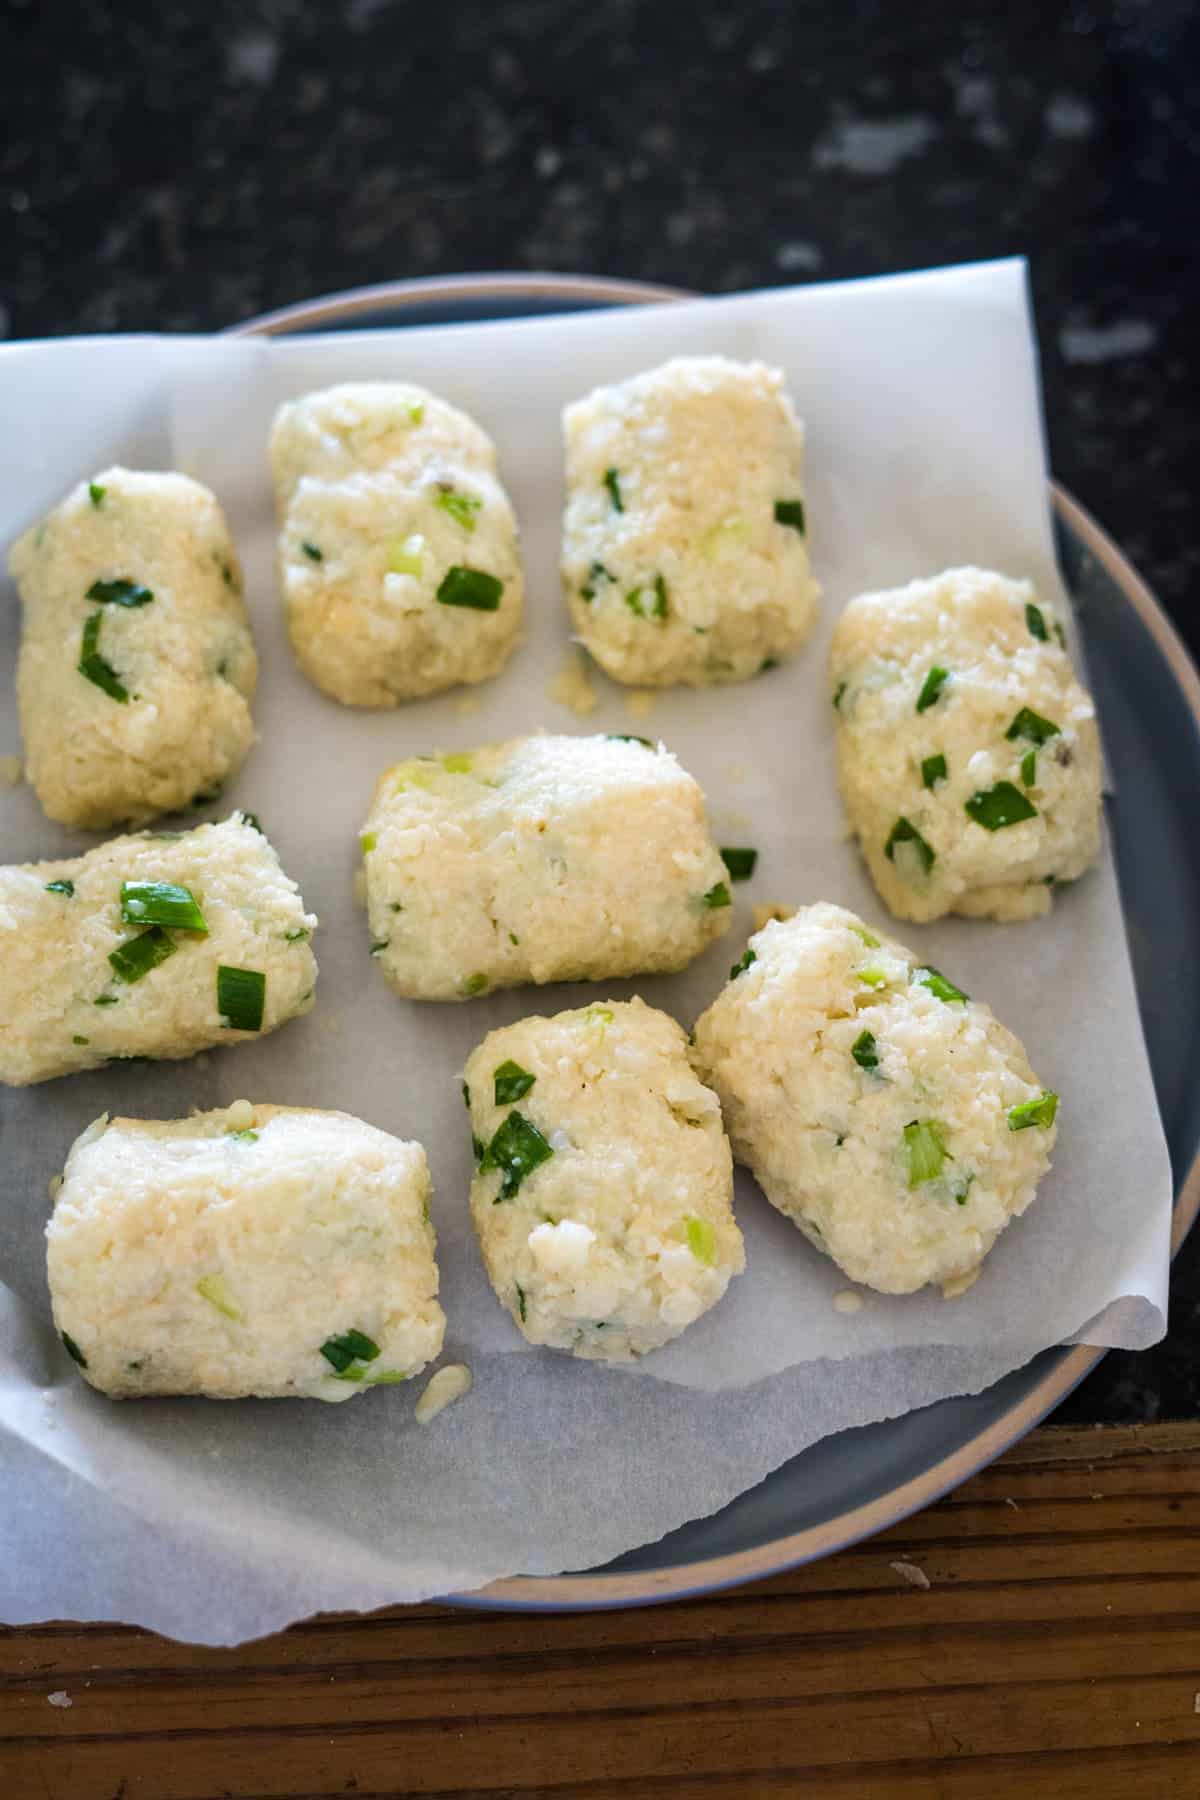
[627, 737]
[72, 1349]
[312, 552]
[925, 1150]
[717, 896]
[215, 1289]
[136, 957]
[939, 987]
[962, 1188]
[121, 592]
[96, 493]
[839, 694]
[407, 556]
[517, 1149]
[1029, 768]
[475, 588]
[701, 1239]
[648, 602]
[520, 1300]
[1031, 725]
[790, 512]
[596, 575]
[872, 977]
[1036, 622]
[865, 936]
[241, 997]
[1034, 1112]
[864, 1050]
[748, 956]
[248, 1136]
[999, 806]
[351, 1347]
[61, 887]
[94, 666]
[511, 1082]
[475, 984]
[740, 863]
[612, 482]
[367, 842]
[252, 820]
[933, 770]
[905, 832]
[161, 903]
[80, 1040]
[931, 688]
[462, 508]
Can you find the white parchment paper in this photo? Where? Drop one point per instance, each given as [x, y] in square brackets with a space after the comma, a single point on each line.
[924, 449]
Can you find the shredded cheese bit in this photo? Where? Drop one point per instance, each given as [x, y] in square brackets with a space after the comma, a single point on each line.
[763, 915]
[10, 771]
[639, 703]
[448, 1385]
[847, 1301]
[571, 688]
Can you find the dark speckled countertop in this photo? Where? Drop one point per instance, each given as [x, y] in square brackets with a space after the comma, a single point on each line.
[182, 167]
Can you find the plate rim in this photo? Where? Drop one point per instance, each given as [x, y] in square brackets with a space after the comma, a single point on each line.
[599, 1591]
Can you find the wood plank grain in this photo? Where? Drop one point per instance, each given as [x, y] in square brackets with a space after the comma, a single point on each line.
[1056, 1651]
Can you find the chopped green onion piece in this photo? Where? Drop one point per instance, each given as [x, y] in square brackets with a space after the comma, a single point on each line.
[872, 977]
[516, 1150]
[241, 996]
[511, 1082]
[415, 410]
[461, 508]
[1034, 1112]
[717, 896]
[627, 737]
[905, 832]
[839, 694]
[215, 1290]
[701, 1240]
[249, 1136]
[351, 1347]
[72, 1349]
[939, 987]
[311, 551]
[864, 1052]
[933, 770]
[207, 797]
[407, 557]
[867, 937]
[121, 592]
[466, 1094]
[513, 938]
[926, 1151]
[461, 586]
[740, 863]
[379, 946]
[227, 576]
[479, 1147]
[739, 968]
[251, 819]
[80, 1040]
[94, 666]
[61, 887]
[643, 608]
[297, 937]
[106, 1000]
[931, 688]
[367, 842]
[962, 1188]
[1002, 805]
[96, 493]
[460, 763]
[790, 512]
[161, 903]
[1031, 725]
[137, 956]
[1035, 622]
[520, 1301]
[612, 482]
[602, 1015]
[596, 574]
[768, 662]
[385, 1377]
[475, 984]
[1029, 768]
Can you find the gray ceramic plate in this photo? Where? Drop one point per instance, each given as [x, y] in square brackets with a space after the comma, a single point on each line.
[851, 1485]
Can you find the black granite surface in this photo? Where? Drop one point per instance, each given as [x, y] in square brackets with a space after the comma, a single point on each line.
[176, 166]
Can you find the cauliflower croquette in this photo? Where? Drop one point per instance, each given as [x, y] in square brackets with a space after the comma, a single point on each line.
[889, 1116]
[685, 547]
[398, 556]
[137, 667]
[968, 752]
[602, 1195]
[541, 859]
[156, 945]
[258, 1250]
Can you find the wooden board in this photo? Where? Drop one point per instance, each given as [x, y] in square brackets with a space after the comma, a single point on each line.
[1053, 1655]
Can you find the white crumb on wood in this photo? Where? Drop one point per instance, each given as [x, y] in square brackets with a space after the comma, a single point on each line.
[448, 1385]
[911, 1573]
[639, 703]
[10, 771]
[60, 1697]
[572, 689]
[1011, 1503]
[847, 1301]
